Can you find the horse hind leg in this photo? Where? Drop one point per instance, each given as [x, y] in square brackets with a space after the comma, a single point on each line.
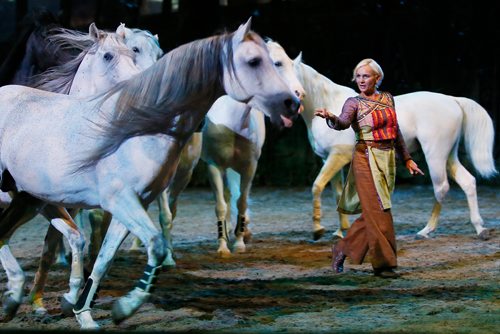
[242, 232]
[52, 239]
[62, 255]
[468, 184]
[99, 222]
[437, 170]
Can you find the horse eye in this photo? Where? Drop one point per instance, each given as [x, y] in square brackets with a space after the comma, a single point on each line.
[278, 64]
[254, 62]
[108, 56]
[136, 49]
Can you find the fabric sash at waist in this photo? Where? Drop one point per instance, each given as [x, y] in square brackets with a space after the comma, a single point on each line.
[381, 144]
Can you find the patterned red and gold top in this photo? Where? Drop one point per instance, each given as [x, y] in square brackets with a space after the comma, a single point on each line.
[372, 120]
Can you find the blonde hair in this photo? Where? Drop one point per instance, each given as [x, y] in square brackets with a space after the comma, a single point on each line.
[374, 66]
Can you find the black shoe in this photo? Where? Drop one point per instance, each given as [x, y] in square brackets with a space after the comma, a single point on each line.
[386, 273]
[338, 258]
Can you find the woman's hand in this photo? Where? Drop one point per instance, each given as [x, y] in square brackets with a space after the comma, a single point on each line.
[322, 112]
[413, 167]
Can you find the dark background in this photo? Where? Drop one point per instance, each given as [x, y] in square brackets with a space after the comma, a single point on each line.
[449, 47]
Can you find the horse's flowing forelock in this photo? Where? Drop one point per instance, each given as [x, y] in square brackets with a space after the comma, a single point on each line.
[187, 78]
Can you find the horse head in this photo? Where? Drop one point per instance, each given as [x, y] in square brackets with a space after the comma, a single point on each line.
[252, 78]
[285, 67]
[144, 44]
[107, 62]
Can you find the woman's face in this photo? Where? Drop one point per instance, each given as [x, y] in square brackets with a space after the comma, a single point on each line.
[366, 78]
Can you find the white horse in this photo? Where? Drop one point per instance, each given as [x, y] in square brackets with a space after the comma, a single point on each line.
[104, 152]
[230, 143]
[103, 62]
[435, 121]
[233, 137]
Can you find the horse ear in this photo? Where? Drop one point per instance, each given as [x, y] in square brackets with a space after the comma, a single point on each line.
[94, 32]
[122, 30]
[240, 34]
[298, 59]
[156, 37]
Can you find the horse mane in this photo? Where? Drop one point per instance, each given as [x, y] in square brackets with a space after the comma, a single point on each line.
[188, 77]
[59, 79]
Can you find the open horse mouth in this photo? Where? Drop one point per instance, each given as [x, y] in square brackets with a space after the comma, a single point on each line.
[287, 122]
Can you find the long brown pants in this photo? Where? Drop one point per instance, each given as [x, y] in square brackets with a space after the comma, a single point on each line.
[373, 232]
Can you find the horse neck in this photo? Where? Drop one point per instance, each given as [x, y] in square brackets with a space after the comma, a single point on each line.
[321, 93]
[232, 114]
[84, 83]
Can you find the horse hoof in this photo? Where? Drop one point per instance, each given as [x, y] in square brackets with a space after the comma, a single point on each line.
[318, 234]
[10, 307]
[38, 308]
[118, 314]
[421, 237]
[169, 261]
[241, 248]
[485, 234]
[224, 254]
[247, 236]
[40, 312]
[66, 307]
[127, 305]
[85, 320]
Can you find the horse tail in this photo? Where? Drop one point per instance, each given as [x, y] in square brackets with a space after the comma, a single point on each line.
[479, 136]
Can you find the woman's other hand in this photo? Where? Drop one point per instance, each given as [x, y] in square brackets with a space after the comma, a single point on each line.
[322, 112]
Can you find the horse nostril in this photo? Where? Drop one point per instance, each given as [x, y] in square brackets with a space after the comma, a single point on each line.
[298, 93]
[292, 104]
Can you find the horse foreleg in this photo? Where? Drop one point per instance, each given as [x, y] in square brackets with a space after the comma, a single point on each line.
[63, 222]
[468, 184]
[133, 216]
[99, 222]
[114, 237]
[337, 184]
[12, 298]
[331, 167]
[166, 218]
[216, 180]
[22, 209]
